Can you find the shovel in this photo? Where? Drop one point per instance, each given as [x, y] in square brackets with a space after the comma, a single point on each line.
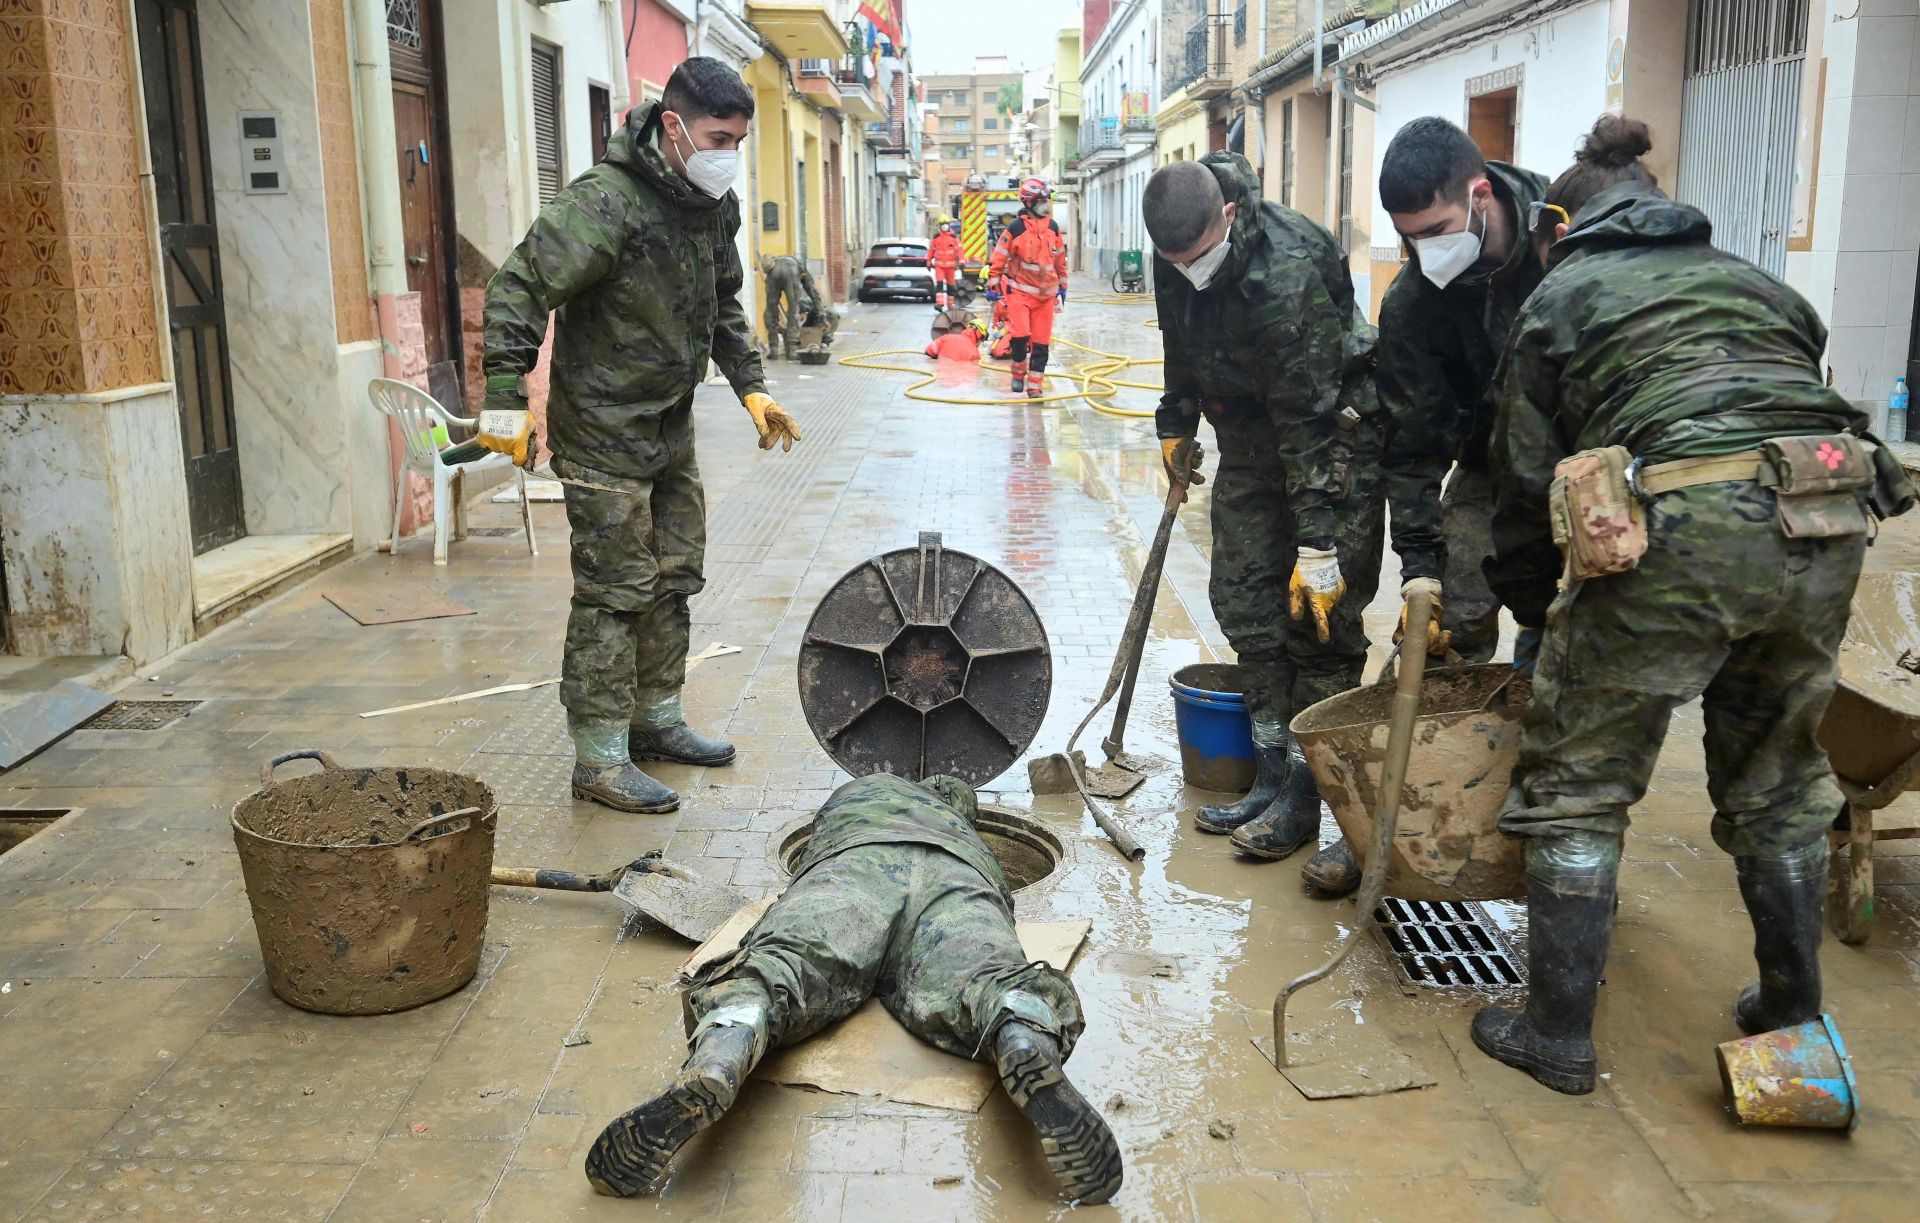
[1126, 667]
[1373, 1075]
[669, 894]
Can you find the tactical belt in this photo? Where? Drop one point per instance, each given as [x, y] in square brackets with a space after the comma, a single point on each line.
[1685, 473]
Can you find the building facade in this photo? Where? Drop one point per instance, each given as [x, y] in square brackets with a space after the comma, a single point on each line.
[1119, 81]
[980, 115]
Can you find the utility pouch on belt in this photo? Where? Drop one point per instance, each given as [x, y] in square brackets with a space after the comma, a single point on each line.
[1819, 483]
[1597, 521]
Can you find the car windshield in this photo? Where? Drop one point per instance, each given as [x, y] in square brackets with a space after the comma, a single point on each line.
[897, 255]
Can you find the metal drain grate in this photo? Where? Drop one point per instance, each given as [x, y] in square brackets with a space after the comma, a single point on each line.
[1445, 944]
[495, 532]
[140, 715]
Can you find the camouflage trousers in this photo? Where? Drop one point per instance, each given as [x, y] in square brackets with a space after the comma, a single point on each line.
[785, 332]
[908, 923]
[637, 557]
[1285, 665]
[1472, 611]
[1723, 606]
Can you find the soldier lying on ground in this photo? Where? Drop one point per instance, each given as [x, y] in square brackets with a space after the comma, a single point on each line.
[895, 896]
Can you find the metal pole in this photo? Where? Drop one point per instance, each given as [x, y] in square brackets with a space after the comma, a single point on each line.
[1319, 33]
[379, 147]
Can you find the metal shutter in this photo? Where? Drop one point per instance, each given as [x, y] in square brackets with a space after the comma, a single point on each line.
[546, 119]
[1739, 122]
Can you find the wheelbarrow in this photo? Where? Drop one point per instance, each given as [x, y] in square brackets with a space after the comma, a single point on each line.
[1872, 735]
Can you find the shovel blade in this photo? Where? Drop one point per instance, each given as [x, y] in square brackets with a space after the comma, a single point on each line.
[683, 902]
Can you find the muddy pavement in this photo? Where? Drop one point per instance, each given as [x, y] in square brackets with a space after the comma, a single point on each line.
[144, 1064]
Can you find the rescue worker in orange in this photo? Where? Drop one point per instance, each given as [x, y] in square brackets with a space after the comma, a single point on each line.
[943, 256]
[1029, 270]
[960, 344]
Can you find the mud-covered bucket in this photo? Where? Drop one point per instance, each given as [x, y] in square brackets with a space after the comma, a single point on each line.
[1466, 739]
[1210, 719]
[1798, 1076]
[368, 886]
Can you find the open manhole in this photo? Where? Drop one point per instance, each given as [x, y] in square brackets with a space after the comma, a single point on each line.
[140, 715]
[1027, 852]
[18, 824]
[1446, 944]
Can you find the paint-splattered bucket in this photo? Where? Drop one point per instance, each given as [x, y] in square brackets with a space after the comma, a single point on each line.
[1210, 719]
[368, 886]
[1799, 1076]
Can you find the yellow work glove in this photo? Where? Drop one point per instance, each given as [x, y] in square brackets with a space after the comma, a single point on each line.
[1439, 641]
[508, 430]
[1170, 456]
[1317, 586]
[772, 421]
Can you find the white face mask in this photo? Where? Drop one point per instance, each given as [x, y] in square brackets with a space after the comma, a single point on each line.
[1445, 256]
[1201, 271]
[711, 170]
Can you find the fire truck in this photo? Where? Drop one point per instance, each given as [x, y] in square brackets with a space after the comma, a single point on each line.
[984, 208]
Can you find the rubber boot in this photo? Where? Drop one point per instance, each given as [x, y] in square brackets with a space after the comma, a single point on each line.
[633, 1151]
[1785, 898]
[1019, 377]
[1292, 821]
[1269, 775]
[1332, 872]
[1080, 1149]
[1570, 895]
[604, 773]
[660, 732]
[1036, 385]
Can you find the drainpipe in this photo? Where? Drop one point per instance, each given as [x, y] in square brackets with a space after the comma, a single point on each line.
[617, 56]
[1319, 33]
[379, 170]
[1259, 107]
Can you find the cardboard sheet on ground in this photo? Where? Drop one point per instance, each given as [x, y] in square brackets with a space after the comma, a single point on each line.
[395, 606]
[869, 1053]
[1354, 1064]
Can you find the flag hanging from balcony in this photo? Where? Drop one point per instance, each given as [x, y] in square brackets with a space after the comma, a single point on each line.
[885, 16]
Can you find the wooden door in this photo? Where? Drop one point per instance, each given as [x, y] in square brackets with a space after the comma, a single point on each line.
[426, 183]
[169, 41]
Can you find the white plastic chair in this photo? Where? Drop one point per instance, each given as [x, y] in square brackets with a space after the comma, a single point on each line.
[417, 414]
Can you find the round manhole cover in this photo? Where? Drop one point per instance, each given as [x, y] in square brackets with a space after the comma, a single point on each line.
[924, 661]
[1027, 852]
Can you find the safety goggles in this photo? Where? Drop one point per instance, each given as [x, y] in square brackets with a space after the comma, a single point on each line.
[1537, 213]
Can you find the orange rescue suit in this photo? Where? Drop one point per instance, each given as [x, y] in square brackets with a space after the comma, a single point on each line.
[944, 254]
[1031, 265]
[961, 345]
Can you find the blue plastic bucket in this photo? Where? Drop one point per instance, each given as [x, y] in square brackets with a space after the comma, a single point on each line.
[1799, 1076]
[1215, 733]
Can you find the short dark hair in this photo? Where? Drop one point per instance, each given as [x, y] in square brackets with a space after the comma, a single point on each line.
[1428, 159]
[705, 88]
[1181, 203]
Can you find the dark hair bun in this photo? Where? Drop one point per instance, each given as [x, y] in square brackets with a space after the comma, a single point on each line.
[1615, 142]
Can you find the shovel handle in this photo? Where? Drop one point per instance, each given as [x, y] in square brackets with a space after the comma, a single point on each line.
[1386, 814]
[306, 753]
[555, 881]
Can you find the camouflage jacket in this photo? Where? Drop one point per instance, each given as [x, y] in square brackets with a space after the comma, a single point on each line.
[1438, 350]
[1645, 336]
[885, 809]
[789, 270]
[643, 274]
[1276, 332]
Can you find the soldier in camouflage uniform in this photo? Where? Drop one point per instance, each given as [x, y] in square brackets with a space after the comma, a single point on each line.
[1707, 370]
[636, 261]
[788, 279]
[1262, 336]
[895, 895]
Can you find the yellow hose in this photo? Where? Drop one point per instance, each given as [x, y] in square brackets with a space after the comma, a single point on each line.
[1097, 383]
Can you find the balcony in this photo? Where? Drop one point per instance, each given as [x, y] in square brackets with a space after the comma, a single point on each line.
[1203, 69]
[818, 80]
[1100, 144]
[800, 30]
[857, 99]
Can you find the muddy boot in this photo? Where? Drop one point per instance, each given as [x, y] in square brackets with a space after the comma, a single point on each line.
[633, 1151]
[603, 772]
[1570, 891]
[1269, 777]
[660, 732]
[1785, 897]
[1333, 871]
[1292, 821]
[1080, 1148]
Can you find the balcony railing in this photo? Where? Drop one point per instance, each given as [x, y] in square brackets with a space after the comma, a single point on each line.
[1098, 133]
[1206, 51]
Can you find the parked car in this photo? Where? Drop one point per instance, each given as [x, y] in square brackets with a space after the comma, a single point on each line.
[896, 267]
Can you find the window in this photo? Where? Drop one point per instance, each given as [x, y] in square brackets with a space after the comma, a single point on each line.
[992, 124]
[956, 125]
[546, 119]
[988, 97]
[959, 150]
[990, 150]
